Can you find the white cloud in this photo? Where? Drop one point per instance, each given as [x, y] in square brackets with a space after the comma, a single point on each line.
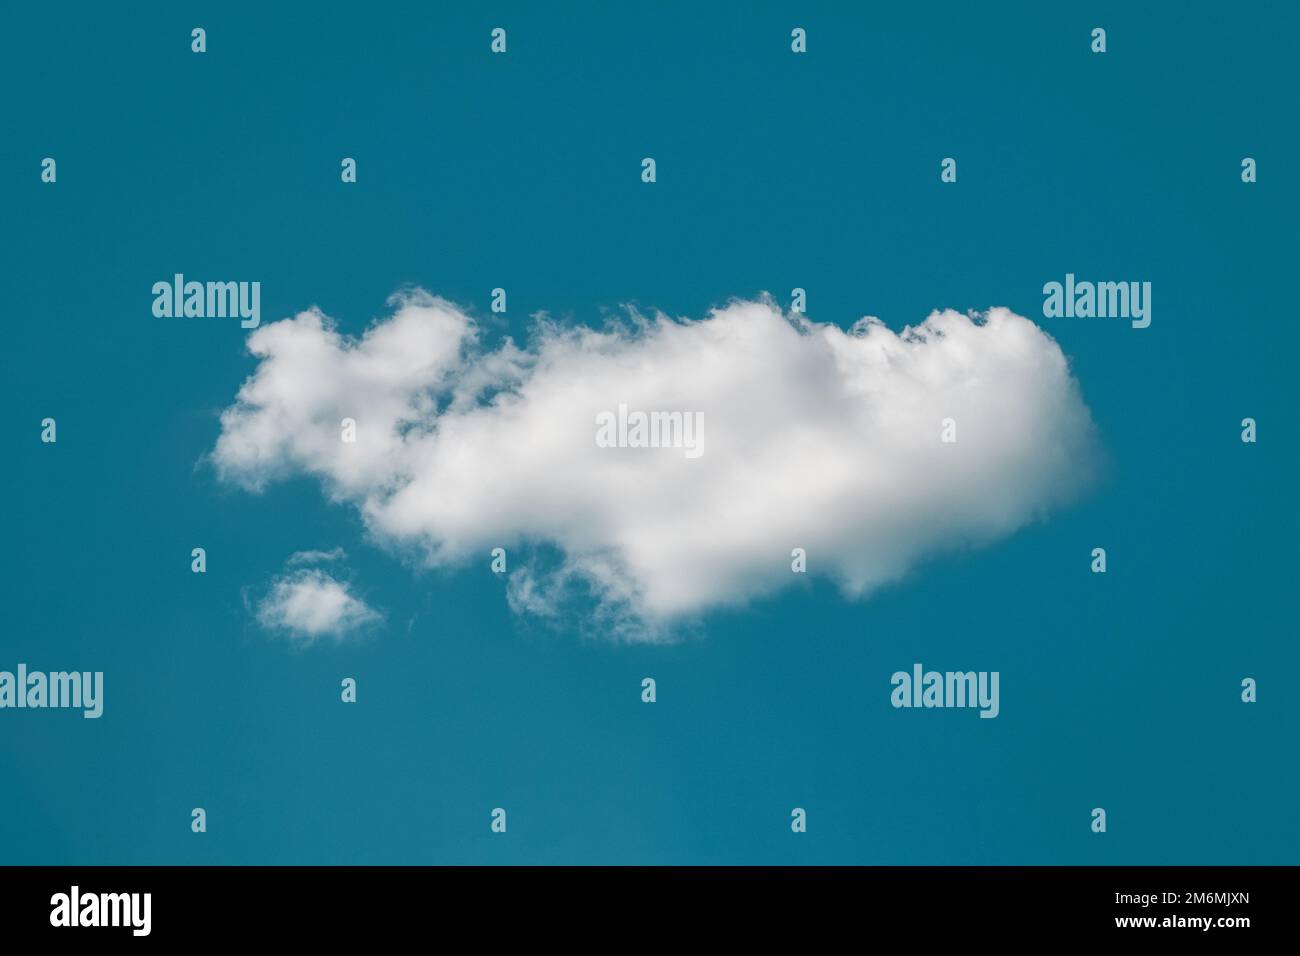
[816, 437]
[309, 604]
[317, 557]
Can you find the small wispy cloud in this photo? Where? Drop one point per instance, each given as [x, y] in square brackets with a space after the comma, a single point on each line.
[309, 604]
[316, 557]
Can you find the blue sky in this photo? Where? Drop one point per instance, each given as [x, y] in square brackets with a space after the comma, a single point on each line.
[774, 171]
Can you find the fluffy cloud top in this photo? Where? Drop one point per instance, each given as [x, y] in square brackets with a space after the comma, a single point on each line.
[308, 604]
[814, 437]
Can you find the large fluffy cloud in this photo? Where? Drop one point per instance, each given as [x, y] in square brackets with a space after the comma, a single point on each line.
[814, 437]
